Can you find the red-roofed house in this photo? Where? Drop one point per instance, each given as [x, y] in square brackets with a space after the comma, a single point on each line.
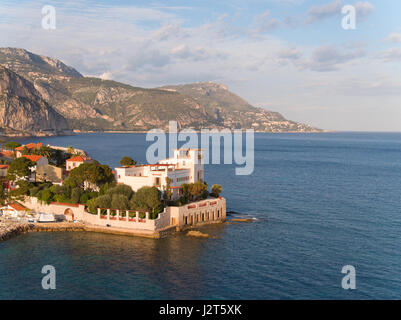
[13, 210]
[39, 160]
[6, 155]
[29, 146]
[76, 162]
[40, 164]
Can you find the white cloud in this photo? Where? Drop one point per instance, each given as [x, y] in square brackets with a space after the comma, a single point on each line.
[264, 23]
[390, 55]
[292, 53]
[332, 9]
[364, 8]
[394, 37]
[329, 58]
[324, 11]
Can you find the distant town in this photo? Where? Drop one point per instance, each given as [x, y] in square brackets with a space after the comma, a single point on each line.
[60, 186]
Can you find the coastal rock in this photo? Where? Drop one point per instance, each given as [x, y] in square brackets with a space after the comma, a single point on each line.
[198, 234]
[9, 231]
[241, 220]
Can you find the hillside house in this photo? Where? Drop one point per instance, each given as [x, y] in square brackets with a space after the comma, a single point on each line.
[13, 210]
[76, 162]
[40, 164]
[29, 146]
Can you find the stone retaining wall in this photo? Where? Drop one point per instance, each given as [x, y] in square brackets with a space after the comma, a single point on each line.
[208, 211]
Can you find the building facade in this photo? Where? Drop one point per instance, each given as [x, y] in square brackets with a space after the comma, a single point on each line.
[76, 162]
[4, 170]
[185, 167]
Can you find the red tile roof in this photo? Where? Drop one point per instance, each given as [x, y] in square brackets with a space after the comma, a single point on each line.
[30, 146]
[6, 153]
[33, 158]
[4, 166]
[16, 206]
[79, 159]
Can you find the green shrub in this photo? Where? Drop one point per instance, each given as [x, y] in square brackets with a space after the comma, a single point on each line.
[103, 201]
[12, 145]
[147, 199]
[122, 189]
[127, 161]
[216, 190]
[56, 189]
[45, 196]
[76, 195]
[33, 192]
[120, 201]
[84, 198]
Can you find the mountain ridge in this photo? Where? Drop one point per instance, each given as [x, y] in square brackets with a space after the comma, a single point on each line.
[93, 104]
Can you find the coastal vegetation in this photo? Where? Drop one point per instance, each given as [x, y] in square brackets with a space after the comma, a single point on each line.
[20, 168]
[90, 175]
[127, 161]
[216, 190]
[122, 197]
[11, 145]
[91, 184]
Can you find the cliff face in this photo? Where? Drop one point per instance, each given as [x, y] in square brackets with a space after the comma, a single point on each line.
[22, 109]
[96, 104]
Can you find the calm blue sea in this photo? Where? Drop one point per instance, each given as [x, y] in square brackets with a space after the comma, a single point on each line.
[321, 201]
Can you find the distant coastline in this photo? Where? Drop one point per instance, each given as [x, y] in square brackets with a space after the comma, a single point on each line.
[74, 132]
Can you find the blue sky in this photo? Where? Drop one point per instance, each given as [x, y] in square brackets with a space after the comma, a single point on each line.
[290, 56]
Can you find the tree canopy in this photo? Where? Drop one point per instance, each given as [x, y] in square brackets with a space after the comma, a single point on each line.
[12, 145]
[147, 199]
[121, 189]
[92, 172]
[216, 190]
[20, 168]
[127, 161]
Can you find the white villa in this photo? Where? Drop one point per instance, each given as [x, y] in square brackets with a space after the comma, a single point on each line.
[185, 167]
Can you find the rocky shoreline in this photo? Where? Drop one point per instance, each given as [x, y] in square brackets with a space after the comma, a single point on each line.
[12, 230]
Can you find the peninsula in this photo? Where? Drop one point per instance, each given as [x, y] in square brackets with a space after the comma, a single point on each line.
[47, 188]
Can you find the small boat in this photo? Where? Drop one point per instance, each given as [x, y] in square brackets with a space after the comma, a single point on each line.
[46, 217]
